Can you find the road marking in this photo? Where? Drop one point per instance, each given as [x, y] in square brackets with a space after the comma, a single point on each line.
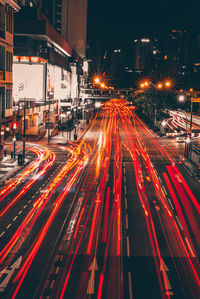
[1, 235]
[179, 222]
[126, 221]
[52, 283]
[126, 203]
[9, 271]
[93, 268]
[15, 218]
[130, 286]
[9, 225]
[164, 270]
[20, 212]
[124, 180]
[160, 179]
[57, 269]
[128, 245]
[188, 243]
[24, 207]
[164, 190]
[124, 170]
[170, 204]
[29, 201]
[125, 189]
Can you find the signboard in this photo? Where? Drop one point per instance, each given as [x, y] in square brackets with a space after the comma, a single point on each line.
[50, 81]
[28, 81]
[195, 100]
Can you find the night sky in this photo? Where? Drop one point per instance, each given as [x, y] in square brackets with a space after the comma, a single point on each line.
[111, 20]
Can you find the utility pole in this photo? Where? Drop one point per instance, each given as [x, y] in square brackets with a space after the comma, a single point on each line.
[24, 135]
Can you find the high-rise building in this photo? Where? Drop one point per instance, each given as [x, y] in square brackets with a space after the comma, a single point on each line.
[68, 17]
[143, 49]
[74, 24]
[175, 50]
[7, 10]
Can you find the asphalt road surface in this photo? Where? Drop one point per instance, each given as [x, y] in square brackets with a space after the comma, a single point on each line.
[115, 215]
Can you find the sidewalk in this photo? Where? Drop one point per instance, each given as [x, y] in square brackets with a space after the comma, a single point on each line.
[64, 137]
[9, 166]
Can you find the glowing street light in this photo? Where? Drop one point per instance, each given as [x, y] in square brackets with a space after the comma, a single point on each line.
[142, 85]
[159, 86]
[181, 98]
[103, 85]
[97, 80]
[168, 84]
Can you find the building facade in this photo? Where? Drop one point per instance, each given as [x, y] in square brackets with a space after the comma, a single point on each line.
[47, 71]
[68, 17]
[7, 11]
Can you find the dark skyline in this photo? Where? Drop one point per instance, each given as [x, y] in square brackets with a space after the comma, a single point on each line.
[114, 20]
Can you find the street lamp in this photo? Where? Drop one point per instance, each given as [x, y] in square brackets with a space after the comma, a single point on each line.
[181, 98]
[159, 86]
[103, 85]
[24, 135]
[14, 140]
[97, 80]
[191, 110]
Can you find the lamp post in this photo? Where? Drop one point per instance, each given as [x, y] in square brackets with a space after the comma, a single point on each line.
[159, 86]
[14, 140]
[191, 111]
[49, 118]
[24, 135]
[186, 129]
[188, 140]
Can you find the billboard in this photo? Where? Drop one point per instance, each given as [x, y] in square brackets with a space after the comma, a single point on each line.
[28, 81]
[62, 83]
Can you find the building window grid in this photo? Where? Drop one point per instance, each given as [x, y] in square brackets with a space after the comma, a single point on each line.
[8, 98]
[9, 20]
[9, 61]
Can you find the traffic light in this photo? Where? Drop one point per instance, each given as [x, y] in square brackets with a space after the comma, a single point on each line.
[188, 138]
[14, 125]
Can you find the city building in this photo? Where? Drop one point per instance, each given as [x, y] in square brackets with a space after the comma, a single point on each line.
[7, 11]
[143, 49]
[46, 71]
[175, 51]
[68, 17]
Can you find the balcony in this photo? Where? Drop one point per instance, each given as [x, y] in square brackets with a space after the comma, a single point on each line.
[38, 108]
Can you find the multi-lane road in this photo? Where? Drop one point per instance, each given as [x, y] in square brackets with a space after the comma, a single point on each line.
[115, 215]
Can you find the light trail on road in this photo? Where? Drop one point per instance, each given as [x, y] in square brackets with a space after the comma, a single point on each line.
[94, 243]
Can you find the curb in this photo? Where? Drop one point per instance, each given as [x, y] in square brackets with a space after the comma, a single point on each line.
[188, 169]
[13, 174]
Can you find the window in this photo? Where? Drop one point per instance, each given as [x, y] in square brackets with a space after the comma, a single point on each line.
[8, 98]
[9, 61]
[2, 21]
[9, 20]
